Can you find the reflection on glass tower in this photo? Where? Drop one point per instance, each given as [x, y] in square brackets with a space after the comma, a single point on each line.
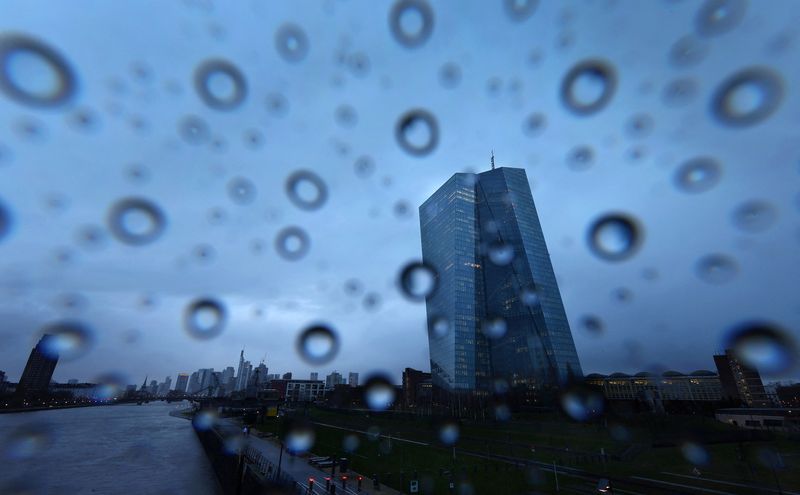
[497, 311]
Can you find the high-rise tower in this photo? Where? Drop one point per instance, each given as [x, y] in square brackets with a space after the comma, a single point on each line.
[39, 369]
[497, 311]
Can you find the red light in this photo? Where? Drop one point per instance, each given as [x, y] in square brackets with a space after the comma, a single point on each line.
[344, 478]
[360, 478]
[327, 478]
[310, 480]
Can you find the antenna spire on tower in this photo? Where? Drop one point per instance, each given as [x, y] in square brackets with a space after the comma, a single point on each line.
[492, 159]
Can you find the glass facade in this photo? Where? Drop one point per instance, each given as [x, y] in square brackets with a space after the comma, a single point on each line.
[497, 291]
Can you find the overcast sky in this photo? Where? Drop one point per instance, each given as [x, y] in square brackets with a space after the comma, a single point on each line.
[134, 63]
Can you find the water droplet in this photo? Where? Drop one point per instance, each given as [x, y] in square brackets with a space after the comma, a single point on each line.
[346, 116]
[640, 125]
[350, 443]
[695, 453]
[72, 302]
[5, 221]
[747, 97]
[292, 243]
[592, 324]
[530, 298]
[582, 403]
[520, 10]
[698, 175]
[588, 87]
[615, 237]
[220, 84]
[417, 132]
[110, 385]
[438, 327]
[27, 441]
[500, 253]
[716, 268]
[716, 17]
[205, 419]
[364, 166]
[84, 119]
[372, 301]
[194, 130]
[306, 190]
[33, 73]
[411, 22]
[204, 253]
[318, 344]
[622, 294]
[358, 63]
[450, 75]
[449, 433]
[418, 280]
[91, 237]
[763, 346]
[292, 43]
[679, 92]
[136, 221]
[534, 124]
[754, 216]
[253, 138]
[241, 190]
[66, 340]
[205, 318]
[688, 51]
[580, 158]
[502, 413]
[379, 393]
[494, 328]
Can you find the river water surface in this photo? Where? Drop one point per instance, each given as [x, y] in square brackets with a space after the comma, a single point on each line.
[103, 450]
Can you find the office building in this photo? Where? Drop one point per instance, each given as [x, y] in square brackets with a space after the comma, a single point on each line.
[163, 387]
[352, 379]
[72, 381]
[740, 382]
[194, 383]
[701, 385]
[333, 379]
[314, 376]
[39, 369]
[287, 376]
[416, 388]
[181, 383]
[496, 311]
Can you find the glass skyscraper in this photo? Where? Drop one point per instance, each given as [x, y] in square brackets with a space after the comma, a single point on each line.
[496, 311]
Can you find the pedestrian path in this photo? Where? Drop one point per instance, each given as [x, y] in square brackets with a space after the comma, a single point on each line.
[299, 469]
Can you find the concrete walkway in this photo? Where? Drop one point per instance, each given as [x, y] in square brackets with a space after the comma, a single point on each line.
[299, 468]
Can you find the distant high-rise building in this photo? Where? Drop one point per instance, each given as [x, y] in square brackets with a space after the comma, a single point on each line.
[181, 383]
[163, 387]
[207, 380]
[39, 369]
[72, 381]
[496, 311]
[333, 379]
[228, 376]
[287, 376]
[314, 376]
[416, 388]
[352, 379]
[740, 382]
[153, 388]
[194, 383]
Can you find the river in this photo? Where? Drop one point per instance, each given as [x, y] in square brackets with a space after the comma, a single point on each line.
[103, 450]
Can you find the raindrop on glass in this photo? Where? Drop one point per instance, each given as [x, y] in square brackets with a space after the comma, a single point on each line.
[615, 237]
[379, 393]
[66, 340]
[764, 346]
[292, 243]
[241, 190]
[306, 190]
[220, 84]
[588, 87]
[291, 42]
[698, 175]
[417, 132]
[205, 318]
[418, 280]
[318, 344]
[716, 268]
[411, 22]
[754, 216]
[34, 73]
[494, 328]
[136, 221]
[747, 97]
